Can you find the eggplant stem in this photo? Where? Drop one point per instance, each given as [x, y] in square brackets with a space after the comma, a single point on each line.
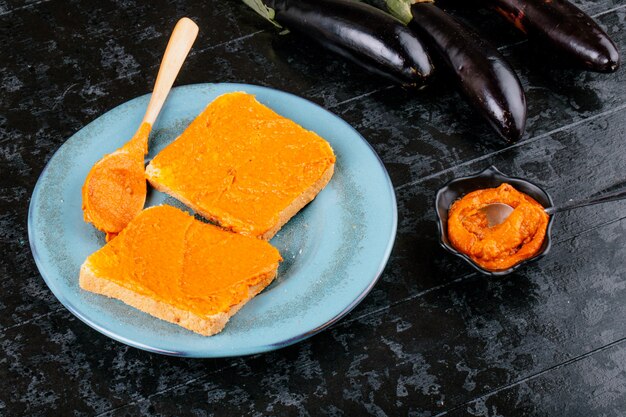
[401, 9]
[266, 12]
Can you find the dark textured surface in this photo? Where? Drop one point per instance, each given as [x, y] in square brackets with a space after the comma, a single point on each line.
[433, 337]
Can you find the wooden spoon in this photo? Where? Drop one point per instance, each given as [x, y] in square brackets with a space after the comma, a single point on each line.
[115, 188]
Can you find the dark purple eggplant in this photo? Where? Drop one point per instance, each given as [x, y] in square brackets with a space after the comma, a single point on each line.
[564, 28]
[362, 33]
[484, 76]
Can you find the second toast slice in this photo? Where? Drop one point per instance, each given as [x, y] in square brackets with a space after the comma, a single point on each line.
[179, 269]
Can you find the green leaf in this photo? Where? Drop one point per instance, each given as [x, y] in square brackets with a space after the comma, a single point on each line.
[265, 12]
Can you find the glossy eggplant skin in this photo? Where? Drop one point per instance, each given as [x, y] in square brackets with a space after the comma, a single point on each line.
[485, 78]
[362, 33]
[565, 28]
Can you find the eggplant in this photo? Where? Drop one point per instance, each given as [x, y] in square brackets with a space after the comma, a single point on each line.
[564, 28]
[362, 33]
[485, 78]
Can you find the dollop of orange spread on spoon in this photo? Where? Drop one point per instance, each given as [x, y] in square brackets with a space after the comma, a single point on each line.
[115, 189]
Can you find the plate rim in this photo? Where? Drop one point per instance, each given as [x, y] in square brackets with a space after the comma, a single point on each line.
[250, 350]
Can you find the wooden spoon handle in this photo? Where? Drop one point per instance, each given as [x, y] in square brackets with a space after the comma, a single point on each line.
[178, 47]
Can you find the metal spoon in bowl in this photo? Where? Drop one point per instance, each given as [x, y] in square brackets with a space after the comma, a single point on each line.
[115, 189]
[497, 213]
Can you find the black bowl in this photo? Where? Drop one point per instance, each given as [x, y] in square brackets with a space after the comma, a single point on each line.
[489, 178]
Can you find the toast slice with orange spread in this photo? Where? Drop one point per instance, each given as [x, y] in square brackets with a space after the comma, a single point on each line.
[243, 166]
[179, 269]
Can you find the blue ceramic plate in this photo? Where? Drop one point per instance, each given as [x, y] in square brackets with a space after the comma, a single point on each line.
[334, 249]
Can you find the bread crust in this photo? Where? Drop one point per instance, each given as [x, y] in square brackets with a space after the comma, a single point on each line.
[204, 325]
[152, 174]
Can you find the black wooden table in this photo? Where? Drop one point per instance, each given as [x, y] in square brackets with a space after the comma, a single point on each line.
[433, 337]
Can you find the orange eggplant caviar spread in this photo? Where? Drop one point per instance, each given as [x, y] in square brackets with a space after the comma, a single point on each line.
[114, 191]
[499, 247]
[241, 164]
[166, 254]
